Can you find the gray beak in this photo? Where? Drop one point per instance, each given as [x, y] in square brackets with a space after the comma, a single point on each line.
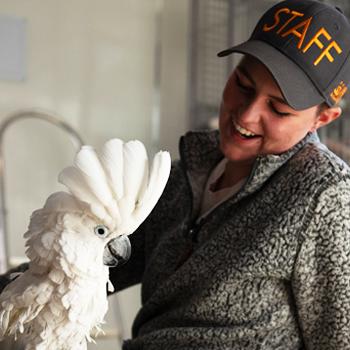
[117, 251]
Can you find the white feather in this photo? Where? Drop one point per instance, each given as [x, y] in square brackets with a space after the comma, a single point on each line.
[74, 180]
[113, 163]
[135, 169]
[61, 298]
[135, 176]
[88, 163]
[158, 178]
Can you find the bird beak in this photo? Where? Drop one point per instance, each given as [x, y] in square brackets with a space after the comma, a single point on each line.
[117, 251]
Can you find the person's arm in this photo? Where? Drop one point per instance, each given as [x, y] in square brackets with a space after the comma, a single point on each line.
[321, 281]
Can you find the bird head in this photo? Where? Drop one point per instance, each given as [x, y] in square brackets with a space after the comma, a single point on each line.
[81, 237]
[116, 190]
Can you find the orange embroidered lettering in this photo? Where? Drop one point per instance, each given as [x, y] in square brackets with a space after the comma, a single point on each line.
[267, 28]
[299, 30]
[339, 92]
[315, 39]
[326, 53]
[294, 31]
[295, 14]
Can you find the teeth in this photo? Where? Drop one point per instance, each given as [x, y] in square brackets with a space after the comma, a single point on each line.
[243, 131]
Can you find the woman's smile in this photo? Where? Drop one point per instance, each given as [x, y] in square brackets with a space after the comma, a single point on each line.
[254, 118]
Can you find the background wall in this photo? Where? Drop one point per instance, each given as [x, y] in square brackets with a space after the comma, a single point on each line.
[110, 68]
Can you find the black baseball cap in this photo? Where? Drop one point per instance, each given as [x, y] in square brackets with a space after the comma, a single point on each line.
[305, 45]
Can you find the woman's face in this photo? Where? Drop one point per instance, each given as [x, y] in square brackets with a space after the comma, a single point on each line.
[254, 117]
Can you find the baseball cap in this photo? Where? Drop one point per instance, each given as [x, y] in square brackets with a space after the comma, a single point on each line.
[305, 45]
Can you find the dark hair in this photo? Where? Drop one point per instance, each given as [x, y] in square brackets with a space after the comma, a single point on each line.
[321, 107]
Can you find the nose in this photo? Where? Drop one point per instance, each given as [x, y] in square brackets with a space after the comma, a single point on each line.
[251, 111]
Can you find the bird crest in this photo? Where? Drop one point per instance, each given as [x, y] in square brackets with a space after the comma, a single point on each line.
[117, 183]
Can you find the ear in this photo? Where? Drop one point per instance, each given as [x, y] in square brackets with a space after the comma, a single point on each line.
[326, 116]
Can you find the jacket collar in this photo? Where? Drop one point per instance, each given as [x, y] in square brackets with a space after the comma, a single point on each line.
[199, 150]
[200, 153]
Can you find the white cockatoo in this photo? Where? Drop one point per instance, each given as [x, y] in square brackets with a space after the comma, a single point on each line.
[70, 242]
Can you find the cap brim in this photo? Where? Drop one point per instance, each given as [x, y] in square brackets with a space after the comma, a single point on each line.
[296, 87]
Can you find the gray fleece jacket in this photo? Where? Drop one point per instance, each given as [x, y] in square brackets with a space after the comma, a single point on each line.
[267, 269]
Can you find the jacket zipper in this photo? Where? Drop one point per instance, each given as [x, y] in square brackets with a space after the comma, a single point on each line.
[192, 227]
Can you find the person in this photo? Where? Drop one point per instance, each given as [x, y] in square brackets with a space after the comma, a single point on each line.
[249, 245]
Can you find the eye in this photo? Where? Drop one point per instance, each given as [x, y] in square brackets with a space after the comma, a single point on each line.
[244, 89]
[274, 110]
[101, 230]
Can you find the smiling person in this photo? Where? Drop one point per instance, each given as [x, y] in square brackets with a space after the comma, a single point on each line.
[249, 245]
[256, 120]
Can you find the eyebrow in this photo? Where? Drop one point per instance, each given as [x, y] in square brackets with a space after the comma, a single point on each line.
[249, 77]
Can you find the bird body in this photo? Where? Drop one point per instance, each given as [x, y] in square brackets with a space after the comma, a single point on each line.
[62, 296]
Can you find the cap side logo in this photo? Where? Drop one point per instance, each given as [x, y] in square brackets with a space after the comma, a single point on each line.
[338, 92]
[304, 26]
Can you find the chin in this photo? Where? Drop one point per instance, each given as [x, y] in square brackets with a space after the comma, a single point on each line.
[237, 155]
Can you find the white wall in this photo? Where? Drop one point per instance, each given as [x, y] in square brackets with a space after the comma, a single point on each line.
[175, 62]
[92, 62]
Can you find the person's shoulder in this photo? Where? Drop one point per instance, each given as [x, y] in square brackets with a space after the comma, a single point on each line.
[318, 160]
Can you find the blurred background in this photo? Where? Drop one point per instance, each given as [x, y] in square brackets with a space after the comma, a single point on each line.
[131, 69]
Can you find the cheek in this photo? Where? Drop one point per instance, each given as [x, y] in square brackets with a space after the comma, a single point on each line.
[224, 115]
[284, 134]
[229, 105]
[227, 95]
[289, 128]
[231, 95]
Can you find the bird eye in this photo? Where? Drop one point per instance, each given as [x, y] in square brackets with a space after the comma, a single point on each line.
[101, 230]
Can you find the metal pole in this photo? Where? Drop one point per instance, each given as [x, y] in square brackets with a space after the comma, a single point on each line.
[13, 118]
